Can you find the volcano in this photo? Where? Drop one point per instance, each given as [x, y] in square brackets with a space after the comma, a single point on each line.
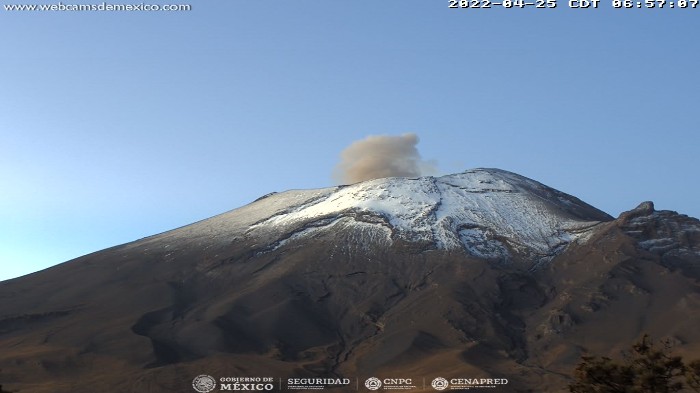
[481, 274]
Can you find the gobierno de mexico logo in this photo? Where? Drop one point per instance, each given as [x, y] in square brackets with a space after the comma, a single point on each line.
[204, 383]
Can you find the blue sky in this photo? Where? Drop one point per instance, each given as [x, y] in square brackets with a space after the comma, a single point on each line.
[116, 126]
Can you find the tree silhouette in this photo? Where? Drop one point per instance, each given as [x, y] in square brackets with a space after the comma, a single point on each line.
[693, 375]
[646, 369]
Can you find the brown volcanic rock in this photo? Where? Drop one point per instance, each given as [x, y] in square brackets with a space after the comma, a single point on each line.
[272, 290]
[618, 285]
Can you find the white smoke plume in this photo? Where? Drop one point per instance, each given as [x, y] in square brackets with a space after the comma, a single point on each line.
[381, 156]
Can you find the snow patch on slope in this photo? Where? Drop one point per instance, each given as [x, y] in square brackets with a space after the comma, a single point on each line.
[488, 213]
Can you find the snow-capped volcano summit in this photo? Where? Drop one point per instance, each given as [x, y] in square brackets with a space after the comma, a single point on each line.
[394, 276]
[489, 213]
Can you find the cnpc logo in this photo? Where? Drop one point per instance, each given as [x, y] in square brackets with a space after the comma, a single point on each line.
[374, 383]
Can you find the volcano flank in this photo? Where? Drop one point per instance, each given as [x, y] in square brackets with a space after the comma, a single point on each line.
[480, 274]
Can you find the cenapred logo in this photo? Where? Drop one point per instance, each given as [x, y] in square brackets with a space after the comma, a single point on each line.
[468, 383]
[439, 383]
[373, 383]
[204, 383]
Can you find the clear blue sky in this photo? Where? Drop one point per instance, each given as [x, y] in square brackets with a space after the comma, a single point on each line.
[116, 126]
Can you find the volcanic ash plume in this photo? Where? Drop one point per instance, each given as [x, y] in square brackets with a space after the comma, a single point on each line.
[381, 156]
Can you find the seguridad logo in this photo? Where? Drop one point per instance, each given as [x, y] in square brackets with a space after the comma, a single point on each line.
[316, 383]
